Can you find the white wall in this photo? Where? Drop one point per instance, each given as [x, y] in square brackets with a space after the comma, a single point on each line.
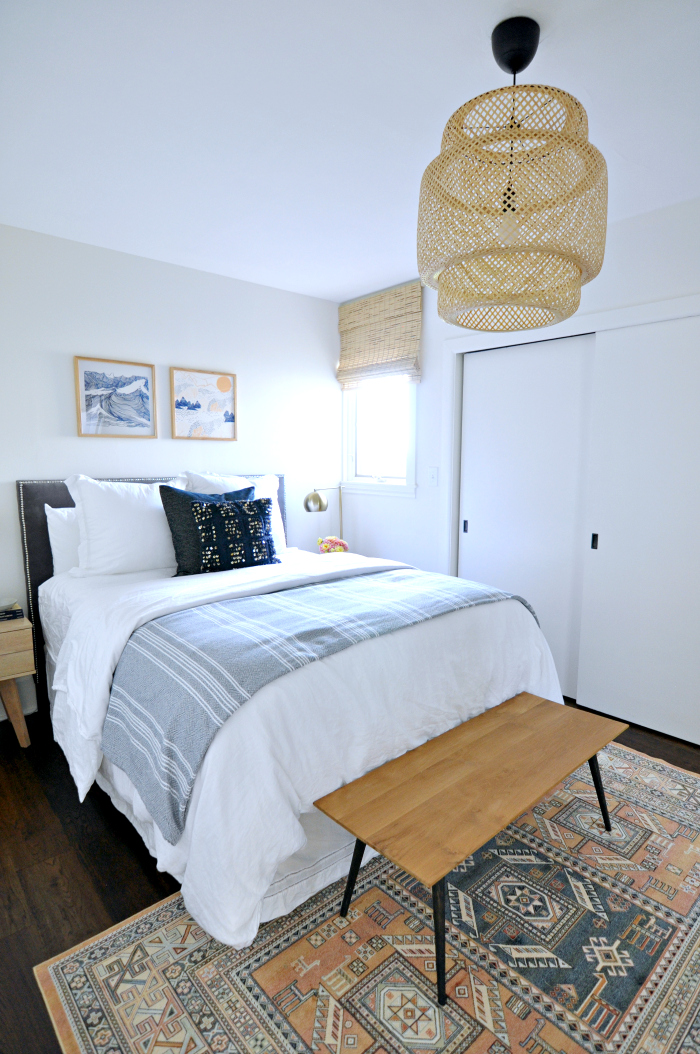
[60, 298]
[416, 530]
[649, 258]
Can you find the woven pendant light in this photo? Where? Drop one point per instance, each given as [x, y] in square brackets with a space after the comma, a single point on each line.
[512, 212]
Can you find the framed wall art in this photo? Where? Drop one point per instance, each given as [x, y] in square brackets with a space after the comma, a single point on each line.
[115, 398]
[203, 404]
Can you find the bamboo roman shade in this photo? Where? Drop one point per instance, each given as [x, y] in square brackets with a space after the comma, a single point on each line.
[380, 335]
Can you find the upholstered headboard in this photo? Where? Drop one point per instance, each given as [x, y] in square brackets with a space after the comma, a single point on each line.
[32, 495]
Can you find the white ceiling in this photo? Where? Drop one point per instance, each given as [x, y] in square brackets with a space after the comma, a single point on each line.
[283, 142]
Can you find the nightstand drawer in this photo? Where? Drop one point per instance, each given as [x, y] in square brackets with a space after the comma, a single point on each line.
[16, 665]
[15, 640]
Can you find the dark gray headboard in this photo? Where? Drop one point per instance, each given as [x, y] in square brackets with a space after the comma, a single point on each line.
[32, 495]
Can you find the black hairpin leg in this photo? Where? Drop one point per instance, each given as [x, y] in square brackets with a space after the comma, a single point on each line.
[439, 924]
[598, 784]
[357, 855]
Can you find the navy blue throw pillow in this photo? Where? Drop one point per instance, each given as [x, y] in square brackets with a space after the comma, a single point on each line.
[234, 534]
[183, 528]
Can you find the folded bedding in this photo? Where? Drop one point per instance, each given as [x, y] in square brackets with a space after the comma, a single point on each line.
[182, 675]
[323, 723]
[113, 606]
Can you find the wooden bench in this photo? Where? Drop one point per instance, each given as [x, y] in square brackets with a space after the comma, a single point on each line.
[429, 809]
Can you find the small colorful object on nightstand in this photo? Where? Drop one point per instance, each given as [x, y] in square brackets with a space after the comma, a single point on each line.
[331, 544]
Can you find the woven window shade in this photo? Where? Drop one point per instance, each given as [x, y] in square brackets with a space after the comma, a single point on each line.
[380, 335]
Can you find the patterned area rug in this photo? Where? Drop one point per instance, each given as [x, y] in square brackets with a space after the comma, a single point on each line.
[561, 938]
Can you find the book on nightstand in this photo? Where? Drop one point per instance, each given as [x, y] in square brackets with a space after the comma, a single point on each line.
[10, 609]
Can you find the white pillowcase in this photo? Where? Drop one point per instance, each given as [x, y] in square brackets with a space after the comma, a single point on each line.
[123, 527]
[265, 487]
[64, 536]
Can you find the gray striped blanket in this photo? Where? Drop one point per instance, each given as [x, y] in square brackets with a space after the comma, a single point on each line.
[182, 675]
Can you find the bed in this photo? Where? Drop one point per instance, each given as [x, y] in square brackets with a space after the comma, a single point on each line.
[253, 845]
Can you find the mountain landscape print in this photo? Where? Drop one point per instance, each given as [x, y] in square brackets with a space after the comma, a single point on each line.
[115, 398]
[203, 404]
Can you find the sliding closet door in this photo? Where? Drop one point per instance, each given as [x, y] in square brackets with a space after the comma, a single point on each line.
[640, 634]
[523, 439]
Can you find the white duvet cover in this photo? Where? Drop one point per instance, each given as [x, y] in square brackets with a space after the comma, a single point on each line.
[254, 847]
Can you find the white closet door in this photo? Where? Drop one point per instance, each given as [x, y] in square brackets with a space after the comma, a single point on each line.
[523, 443]
[640, 633]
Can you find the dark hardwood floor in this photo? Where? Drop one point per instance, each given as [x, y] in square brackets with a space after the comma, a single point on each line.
[68, 870]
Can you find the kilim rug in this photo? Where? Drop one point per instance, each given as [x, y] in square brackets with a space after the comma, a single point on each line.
[561, 939]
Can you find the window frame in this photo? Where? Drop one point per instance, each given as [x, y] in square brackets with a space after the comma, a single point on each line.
[376, 485]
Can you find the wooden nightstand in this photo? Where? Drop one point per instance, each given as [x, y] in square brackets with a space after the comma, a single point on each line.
[16, 660]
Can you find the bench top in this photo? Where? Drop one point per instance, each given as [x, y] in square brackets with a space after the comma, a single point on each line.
[429, 809]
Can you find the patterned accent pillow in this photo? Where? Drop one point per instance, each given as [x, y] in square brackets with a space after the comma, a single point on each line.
[234, 534]
[185, 533]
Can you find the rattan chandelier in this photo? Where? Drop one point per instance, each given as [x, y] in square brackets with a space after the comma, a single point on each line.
[512, 212]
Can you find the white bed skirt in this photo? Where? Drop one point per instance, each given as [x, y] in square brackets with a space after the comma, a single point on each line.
[323, 859]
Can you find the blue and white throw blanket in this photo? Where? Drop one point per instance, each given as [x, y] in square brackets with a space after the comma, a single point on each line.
[182, 675]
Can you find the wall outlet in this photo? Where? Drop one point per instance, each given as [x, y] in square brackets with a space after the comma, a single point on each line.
[433, 476]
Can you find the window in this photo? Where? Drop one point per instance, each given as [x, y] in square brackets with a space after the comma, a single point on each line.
[379, 434]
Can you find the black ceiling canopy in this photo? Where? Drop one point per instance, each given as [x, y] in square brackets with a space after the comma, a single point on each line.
[514, 43]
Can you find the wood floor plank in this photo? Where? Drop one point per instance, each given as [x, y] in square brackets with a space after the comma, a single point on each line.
[24, 809]
[50, 841]
[67, 871]
[64, 904]
[120, 867]
[14, 910]
[25, 1026]
[122, 871]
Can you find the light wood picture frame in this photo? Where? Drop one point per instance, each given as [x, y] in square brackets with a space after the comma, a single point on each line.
[115, 399]
[203, 404]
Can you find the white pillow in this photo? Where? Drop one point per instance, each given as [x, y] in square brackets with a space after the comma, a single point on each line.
[64, 536]
[179, 482]
[211, 483]
[123, 527]
[265, 487]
